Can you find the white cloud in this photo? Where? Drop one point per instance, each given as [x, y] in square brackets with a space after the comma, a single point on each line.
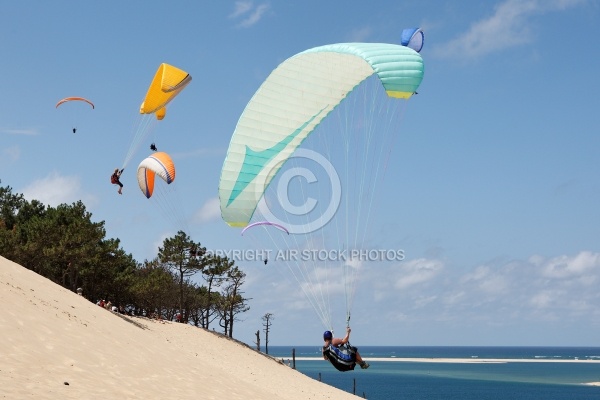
[423, 301]
[565, 267]
[498, 295]
[255, 16]
[542, 299]
[160, 241]
[55, 189]
[417, 271]
[251, 14]
[536, 289]
[494, 285]
[355, 263]
[561, 286]
[509, 26]
[487, 280]
[479, 273]
[210, 211]
[25, 132]
[454, 298]
[240, 8]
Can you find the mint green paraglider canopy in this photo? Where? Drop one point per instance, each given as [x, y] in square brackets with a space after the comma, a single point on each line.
[292, 101]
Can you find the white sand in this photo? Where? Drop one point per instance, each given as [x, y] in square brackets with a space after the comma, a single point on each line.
[51, 337]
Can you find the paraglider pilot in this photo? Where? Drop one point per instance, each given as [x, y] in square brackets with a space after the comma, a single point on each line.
[339, 352]
[114, 179]
[153, 147]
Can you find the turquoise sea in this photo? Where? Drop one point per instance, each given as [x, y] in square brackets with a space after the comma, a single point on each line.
[549, 373]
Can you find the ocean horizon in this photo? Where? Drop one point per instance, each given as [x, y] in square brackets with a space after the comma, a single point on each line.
[459, 372]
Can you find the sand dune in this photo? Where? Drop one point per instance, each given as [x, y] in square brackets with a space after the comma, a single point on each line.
[57, 345]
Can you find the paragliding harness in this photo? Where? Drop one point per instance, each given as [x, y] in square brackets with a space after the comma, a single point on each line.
[343, 357]
[114, 178]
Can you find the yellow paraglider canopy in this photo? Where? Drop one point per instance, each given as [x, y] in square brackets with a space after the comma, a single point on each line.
[167, 83]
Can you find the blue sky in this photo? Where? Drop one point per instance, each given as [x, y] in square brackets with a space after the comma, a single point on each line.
[496, 186]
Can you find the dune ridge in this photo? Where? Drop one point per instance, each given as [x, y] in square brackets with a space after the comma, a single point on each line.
[58, 345]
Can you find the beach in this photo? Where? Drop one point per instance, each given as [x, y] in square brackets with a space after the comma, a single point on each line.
[58, 345]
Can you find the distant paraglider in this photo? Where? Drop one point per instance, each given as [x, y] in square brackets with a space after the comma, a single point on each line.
[69, 99]
[266, 223]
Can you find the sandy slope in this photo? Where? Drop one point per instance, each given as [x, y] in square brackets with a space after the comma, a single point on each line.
[51, 337]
